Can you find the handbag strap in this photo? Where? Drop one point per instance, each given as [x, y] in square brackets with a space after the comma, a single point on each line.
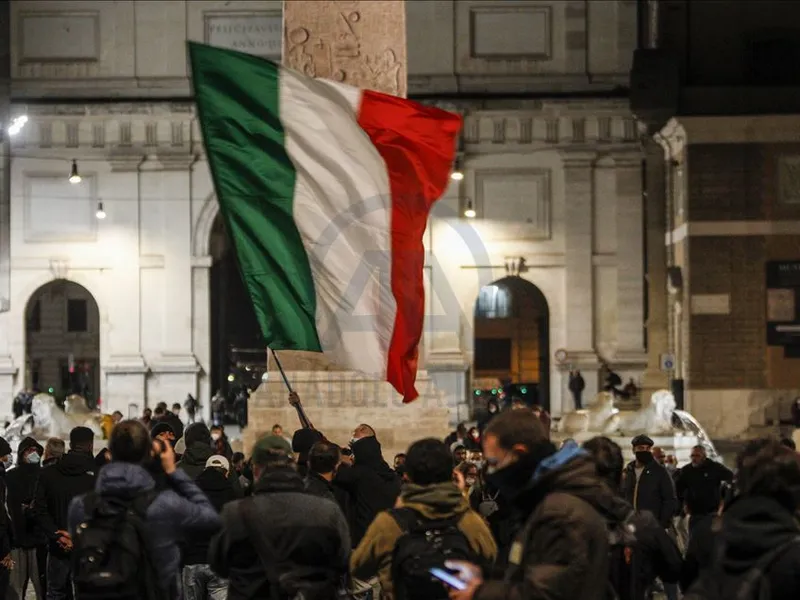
[263, 548]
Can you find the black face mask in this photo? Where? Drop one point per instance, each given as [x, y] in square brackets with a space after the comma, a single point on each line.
[517, 476]
[644, 457]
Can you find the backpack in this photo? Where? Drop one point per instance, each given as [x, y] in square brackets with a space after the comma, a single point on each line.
[110, 555]
[624, 561]
[425, 544]
[753, 584]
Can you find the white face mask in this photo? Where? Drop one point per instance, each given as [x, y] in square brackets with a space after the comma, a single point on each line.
[33, 458]
[215, 436]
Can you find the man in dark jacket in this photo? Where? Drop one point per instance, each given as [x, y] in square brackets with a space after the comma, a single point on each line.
[699, 486]
[6, 540]
[760, 521]
[162, 415]
[561, 551]
[198, 450]
[180, 510]
[303, 536]
[199, 581]
[28, 540]
[323, 462]
[634, 570]
[72, 476]
[370, 483]
[647, 485]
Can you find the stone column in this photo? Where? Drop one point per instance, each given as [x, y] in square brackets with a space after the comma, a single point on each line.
[654, 378]
[578, 248]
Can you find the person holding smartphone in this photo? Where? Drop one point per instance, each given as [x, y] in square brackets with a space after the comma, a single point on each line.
[561, 546]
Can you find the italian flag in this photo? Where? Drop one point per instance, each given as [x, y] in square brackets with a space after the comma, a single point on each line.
[325, 190]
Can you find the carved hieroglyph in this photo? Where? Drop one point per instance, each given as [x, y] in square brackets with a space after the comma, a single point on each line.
[358, 42]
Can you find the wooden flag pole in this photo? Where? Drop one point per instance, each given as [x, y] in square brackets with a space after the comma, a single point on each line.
[294, 398]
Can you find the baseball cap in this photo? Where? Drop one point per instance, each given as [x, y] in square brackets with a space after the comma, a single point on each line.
[270, 444]
[219, 462]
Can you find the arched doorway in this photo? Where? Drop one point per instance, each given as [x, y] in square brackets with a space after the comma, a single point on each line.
[238, 350]
[512, 339]
[62, 342]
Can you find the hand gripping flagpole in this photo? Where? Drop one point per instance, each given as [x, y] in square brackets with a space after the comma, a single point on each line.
[294, 399]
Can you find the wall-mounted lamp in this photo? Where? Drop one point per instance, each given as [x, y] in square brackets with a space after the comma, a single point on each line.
[101, 213]
[457, 174]
[17, 123]
[74, 176]
[469, 211]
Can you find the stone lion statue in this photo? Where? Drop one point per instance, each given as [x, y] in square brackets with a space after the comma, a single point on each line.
[656, 418]
[49, 420]
[599, 417]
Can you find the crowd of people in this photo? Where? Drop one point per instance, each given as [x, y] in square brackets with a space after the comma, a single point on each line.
[168, 511]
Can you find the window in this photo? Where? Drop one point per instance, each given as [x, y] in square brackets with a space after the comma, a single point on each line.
[77, 315]
[772, 58]
[493, 354]
[34, 323]
[494, 302]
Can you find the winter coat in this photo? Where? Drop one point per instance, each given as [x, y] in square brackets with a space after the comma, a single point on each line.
[71, 476]
[751, 527]
[193, 463]
[699, 487]
[219, 491]
[175, 513]
[370, 483]
[303, 530]
[373, 556]
[654, 491]
[21, 483]
[561, 552]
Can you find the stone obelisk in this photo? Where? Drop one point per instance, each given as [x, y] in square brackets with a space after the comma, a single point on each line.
[360, 43]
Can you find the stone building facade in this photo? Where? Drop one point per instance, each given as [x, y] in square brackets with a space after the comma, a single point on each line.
[550, 155]
[725, 161]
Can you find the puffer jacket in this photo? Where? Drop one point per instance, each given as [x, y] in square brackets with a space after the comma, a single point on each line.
[175, 513]
[370, 483]
[373, 556]
[561, 553]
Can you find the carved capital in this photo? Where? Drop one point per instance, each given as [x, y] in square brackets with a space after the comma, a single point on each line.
[358, 42]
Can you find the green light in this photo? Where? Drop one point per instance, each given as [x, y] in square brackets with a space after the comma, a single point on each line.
[50, 390]
[477, 392]
[523, 390]
[494, 392]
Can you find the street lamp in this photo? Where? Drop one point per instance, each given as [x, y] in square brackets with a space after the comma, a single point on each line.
[101, 213]
[74, 176]
[469, 212]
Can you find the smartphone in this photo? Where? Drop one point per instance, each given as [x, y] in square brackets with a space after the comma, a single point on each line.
[448, 578]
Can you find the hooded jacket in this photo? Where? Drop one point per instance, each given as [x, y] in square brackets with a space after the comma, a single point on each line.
[219, 491]
[71, 476]
[175, 513]
[752, 526]
[305, 532]
[437, 501]
[561, 552]
[193, 461]
[370, 483]
[21, 482]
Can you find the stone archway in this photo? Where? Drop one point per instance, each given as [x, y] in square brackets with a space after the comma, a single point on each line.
[512, 338]
[237, 347]
[62, 341]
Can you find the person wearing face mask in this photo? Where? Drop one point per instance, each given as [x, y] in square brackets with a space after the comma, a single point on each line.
[561, 546]
[219, 442]
[647, 485]
[28, 542]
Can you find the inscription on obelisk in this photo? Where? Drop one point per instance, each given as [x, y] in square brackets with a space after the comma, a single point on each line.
[358, 42]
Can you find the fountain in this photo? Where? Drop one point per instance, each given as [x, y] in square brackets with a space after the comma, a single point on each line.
[46, 419]
[675, 431]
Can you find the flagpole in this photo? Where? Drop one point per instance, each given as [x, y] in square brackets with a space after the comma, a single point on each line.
[301, 413]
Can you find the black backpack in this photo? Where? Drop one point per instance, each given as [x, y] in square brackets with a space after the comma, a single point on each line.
[425, 544]
[111, 559]
[624, 559]
[715, 584]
